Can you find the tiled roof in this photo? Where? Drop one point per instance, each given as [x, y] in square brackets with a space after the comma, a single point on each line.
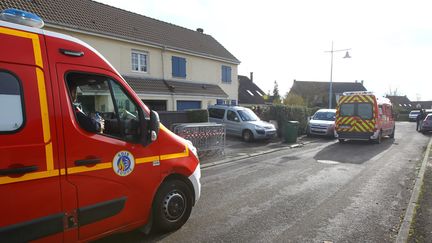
[316, 93]
[396, 100]
[141, 85]
[422, 104]
[249, 92]
[313, 87]
[90, 16]
[168, 87]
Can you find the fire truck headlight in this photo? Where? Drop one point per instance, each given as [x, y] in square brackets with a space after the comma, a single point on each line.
[192, 148]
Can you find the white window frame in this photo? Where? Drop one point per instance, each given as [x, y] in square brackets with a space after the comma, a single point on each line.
[11, 105]
[139, 53]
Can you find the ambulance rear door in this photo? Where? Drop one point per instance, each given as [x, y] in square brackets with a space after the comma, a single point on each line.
[30, 205]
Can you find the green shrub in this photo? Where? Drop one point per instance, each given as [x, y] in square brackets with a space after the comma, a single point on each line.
[402, 117]
[194, 116]
[284, 113]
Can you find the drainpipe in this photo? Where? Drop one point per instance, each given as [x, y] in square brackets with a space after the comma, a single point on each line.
[163, 61]
[163, 74]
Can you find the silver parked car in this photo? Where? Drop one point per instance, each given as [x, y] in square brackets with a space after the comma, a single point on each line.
[413, 115]
[322, 123]
[241, 121]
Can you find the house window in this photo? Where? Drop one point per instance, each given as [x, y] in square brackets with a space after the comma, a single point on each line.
[178, 67]
[183, 105]
[139, 61]
[226, 74]
[156, 105]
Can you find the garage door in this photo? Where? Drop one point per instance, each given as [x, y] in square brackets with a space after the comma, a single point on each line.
[188, 105]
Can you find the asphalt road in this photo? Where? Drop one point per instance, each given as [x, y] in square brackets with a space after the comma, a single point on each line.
[321, 192]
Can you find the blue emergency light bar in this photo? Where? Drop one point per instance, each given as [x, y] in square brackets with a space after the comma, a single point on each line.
[21, 17]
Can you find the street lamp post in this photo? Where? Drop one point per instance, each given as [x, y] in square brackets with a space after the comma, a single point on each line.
[331, 72]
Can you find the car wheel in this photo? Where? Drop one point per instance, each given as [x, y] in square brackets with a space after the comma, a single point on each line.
[172, 205]
[248, 136]
[393, 133]
[341, 140]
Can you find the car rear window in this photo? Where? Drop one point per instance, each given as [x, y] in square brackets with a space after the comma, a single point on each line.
[347, 110]
[216, 113]
[362, 110]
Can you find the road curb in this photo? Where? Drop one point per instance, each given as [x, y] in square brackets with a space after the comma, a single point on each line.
[403, 233]
[230, 160]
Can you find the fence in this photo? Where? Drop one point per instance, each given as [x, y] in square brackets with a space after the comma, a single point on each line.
[204, 136]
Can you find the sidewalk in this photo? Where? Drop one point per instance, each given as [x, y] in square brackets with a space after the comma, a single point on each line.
[421, 224]
[236, 149]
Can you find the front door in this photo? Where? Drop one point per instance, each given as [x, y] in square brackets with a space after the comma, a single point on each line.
[114, 174]
[233, 125]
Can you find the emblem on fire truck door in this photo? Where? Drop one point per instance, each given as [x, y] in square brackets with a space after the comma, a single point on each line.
[123, 163]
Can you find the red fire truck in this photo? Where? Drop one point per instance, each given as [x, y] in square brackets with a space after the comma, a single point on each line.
[361, 115]
[81, 156]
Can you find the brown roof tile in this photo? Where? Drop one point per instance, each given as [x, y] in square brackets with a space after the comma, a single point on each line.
[245, 97]
[396, 99]
[142, 85]
[100, 18]
[316, 93]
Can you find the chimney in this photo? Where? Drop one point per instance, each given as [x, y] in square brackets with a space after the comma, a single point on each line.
[362, 82]
[200, 30]
[356, 81]
[251, 76]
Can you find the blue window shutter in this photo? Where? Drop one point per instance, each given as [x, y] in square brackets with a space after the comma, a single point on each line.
[226, 74]
[182, 67]
[175, 69]
[178, 66]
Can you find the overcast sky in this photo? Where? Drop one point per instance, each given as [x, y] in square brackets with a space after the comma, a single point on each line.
[390, 41]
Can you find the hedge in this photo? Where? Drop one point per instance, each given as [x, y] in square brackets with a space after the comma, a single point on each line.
[197, 116]
[284, 113]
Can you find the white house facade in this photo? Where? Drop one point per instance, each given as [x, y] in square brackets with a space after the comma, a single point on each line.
[169, 67]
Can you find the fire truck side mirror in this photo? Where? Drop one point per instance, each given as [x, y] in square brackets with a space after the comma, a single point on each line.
[154, 125]
[150, 128]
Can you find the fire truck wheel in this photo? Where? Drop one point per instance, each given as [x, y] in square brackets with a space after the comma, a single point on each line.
[393, 133]
[378, 139]
[248, 136]
[172, 205]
